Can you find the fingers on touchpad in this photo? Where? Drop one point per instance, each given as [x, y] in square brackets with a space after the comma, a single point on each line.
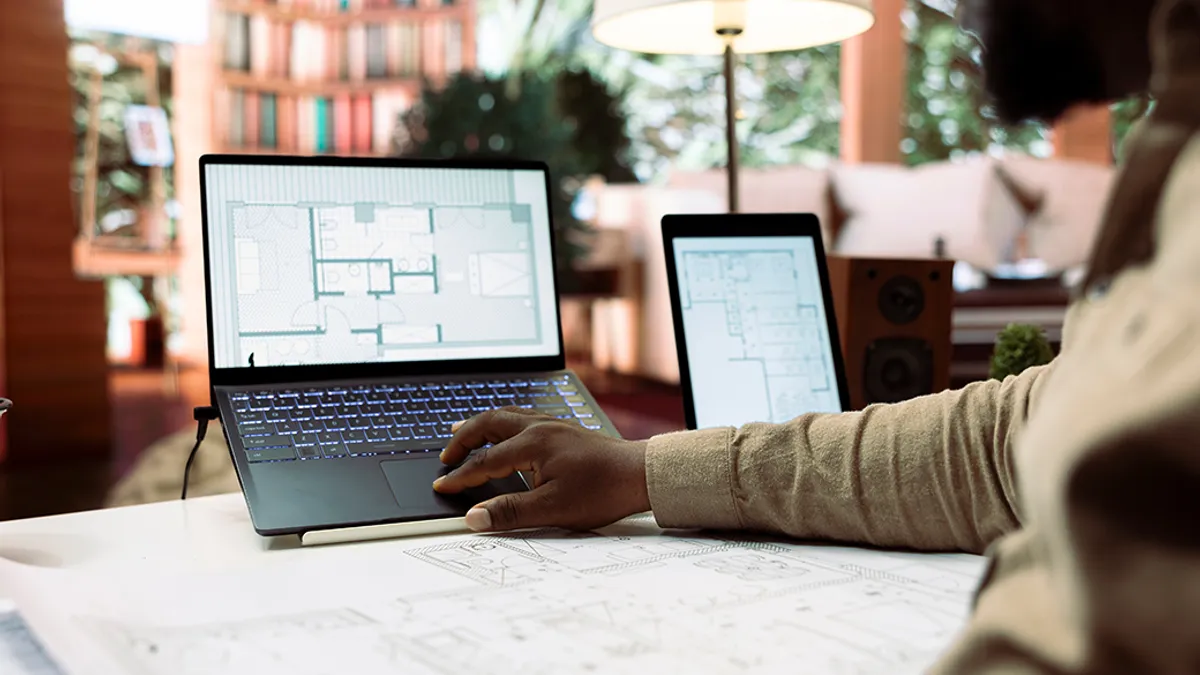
[411, 481]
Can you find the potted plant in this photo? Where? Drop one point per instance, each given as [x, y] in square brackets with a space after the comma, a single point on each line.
[569, 119]
[1018, 347]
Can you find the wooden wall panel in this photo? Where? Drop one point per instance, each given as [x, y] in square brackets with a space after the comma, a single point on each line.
[53, 324]
[194, 82]
[873, 71]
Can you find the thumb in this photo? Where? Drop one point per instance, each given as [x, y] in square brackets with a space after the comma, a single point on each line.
[514, 511]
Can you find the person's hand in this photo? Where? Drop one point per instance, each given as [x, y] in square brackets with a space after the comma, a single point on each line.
[582, 479]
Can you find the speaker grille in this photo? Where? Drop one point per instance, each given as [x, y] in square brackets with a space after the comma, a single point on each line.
[901, 300]
[897, 369]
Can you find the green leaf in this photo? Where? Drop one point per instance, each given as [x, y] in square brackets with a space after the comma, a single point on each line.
[1019, 347]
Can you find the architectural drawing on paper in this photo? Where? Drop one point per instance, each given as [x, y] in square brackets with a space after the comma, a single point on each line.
[629, 600]
[772, 320]
[21, 652]
[360, 282]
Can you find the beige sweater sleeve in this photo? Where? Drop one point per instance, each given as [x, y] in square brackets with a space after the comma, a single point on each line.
[934, 473]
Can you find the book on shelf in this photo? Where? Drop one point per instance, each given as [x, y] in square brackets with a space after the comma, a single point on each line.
[331, 6]
[307, 51]
[344, 123]
[296, 82]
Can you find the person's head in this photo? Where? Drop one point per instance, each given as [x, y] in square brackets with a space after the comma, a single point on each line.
[1042, 57]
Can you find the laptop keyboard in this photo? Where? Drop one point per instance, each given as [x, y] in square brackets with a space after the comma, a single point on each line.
[387, 419]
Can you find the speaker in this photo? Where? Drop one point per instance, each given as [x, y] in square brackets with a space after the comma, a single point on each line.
[894, 321]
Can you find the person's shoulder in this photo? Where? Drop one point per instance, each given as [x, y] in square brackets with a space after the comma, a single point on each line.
[1181, 193]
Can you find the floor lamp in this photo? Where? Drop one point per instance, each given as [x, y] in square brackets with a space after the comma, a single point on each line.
[728, 27]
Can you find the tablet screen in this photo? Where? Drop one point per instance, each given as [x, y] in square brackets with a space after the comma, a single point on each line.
[756, 329]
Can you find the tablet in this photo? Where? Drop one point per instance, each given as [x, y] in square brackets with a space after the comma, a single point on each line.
[755, 330]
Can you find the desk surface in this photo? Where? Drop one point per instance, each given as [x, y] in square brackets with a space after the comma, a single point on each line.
[201, 534]
[176, 588]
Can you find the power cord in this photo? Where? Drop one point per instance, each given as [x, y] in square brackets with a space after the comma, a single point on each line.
[203, 415]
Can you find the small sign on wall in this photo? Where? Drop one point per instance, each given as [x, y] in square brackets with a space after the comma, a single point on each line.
[149, 136]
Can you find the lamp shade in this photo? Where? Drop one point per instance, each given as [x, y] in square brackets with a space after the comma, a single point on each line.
[178, 21]
[691, 26]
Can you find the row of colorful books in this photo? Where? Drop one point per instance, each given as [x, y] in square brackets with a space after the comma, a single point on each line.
[341, 124]
[306, 51]
[349, 5]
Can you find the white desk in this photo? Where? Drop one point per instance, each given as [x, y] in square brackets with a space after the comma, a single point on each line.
[207, 533]
[189, 587]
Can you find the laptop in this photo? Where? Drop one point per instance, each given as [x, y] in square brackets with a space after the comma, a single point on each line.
[755, 330]
[357, 308]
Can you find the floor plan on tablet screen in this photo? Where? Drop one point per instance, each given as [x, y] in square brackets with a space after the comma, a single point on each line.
[378, 266]
[755, 323]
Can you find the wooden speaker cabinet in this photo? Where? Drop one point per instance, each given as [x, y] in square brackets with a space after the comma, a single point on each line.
[894, 320]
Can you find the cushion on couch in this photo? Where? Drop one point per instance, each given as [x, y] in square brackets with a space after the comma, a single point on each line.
[896, 211]
[1074, 196]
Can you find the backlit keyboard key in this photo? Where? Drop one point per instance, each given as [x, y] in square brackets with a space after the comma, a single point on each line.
[270, 454]
[256, 429]
[273, 441]
[379, 448]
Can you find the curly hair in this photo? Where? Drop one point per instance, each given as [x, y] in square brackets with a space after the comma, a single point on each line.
[1042, 57]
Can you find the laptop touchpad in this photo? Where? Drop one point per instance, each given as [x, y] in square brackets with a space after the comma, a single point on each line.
[411, 481]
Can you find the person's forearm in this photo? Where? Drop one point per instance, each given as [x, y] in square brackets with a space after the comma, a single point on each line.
[933, 473]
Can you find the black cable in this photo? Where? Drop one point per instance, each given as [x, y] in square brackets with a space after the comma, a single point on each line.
[203, 415]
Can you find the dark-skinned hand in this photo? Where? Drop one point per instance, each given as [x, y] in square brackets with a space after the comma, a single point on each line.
[582, 479]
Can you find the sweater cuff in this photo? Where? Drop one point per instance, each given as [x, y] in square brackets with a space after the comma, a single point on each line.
[690, 479]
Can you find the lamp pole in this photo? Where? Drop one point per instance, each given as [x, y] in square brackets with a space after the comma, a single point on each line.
[637, 25]
[731, 124]
[729, 21]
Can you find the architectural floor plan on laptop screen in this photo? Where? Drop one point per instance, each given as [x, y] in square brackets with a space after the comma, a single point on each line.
[754, 321]
[324, 265]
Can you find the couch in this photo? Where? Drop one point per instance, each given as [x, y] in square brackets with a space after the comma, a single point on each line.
[986, 212]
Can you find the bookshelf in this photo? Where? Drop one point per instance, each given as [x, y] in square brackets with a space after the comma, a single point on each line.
[330, 76]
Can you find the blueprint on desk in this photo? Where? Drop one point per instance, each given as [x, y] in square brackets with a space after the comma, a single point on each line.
[21, 652]
[629, 600]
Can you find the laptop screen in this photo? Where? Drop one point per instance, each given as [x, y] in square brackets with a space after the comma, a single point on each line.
[336, 264]
[755, 329]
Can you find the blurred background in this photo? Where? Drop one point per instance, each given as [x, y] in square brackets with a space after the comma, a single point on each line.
[107, 104]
